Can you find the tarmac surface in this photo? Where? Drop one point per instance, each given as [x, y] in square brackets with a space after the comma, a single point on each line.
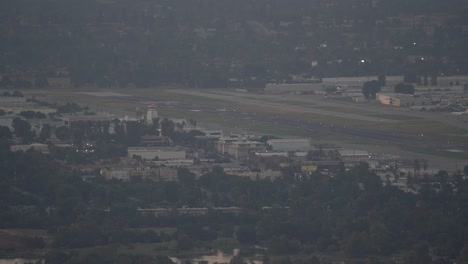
[374, 140]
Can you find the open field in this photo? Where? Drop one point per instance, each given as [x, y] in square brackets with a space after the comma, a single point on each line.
[400, 130]
[15, 241]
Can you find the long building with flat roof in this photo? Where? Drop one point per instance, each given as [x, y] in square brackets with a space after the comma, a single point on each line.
[291, 144]
[158, 153]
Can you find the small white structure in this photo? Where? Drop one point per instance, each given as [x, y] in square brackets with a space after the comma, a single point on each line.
[356, 155]
[216, 133]
[117, 174]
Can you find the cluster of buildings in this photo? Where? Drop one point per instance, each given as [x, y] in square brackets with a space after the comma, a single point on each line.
[158, 159]
[145, 173]
[191, 211]
[450, 90]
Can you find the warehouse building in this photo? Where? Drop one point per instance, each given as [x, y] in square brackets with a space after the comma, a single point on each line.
[157, 153]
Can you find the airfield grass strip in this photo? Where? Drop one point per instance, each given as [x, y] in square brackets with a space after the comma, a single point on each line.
[434, 152]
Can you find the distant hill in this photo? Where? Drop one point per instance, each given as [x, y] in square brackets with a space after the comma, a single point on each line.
[208, 43]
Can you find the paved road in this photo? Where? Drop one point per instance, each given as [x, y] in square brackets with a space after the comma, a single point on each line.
[399, 138]
[281, 106]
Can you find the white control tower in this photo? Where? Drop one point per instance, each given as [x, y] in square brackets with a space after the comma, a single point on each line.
[151, 114]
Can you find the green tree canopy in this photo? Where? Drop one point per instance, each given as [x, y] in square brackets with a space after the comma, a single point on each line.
[371, 88]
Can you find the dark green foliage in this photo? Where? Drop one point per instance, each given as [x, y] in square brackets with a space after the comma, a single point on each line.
[23, 130]
[69, 108]
[351, 213]
[237, 260]
[370, 88]
[283, 246]
[5, 132]
[62, 133]
[404, 88]
[102, 256]
[41, 81]
[246, 234]
[210, 44]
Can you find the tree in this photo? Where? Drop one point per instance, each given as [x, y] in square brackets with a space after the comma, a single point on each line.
[282, 246]
[404, 88]
[382, 80]
[463, 256]
[6, 81]
[5, 133]
[246, 234]
[17, 94]
[62, 133]
[416, 166]
[45, 132]
[41, 81]
[420, 254]
[410, 77]
[40, 115]
[185, 176]
[426, 82]
[371, 88]
[193, 124]
[167, 127]
[237, 260]
[434, 80]
[357, 244]
[27, 114]
[23, 130]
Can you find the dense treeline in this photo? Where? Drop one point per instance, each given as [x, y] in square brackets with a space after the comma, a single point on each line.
[205, 43]
[351, 213]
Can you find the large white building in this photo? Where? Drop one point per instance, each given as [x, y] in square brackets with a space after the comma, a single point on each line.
[159, 153]
[238, 148]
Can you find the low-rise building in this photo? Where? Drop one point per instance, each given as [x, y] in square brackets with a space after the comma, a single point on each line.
[238, 147]
[242, 149]
[71, 120]
[264, 174]
[197, 211]
[216, 133]
[153, 174]
[291, 144]
[154, 140]
[35, 146]
[157, 153]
